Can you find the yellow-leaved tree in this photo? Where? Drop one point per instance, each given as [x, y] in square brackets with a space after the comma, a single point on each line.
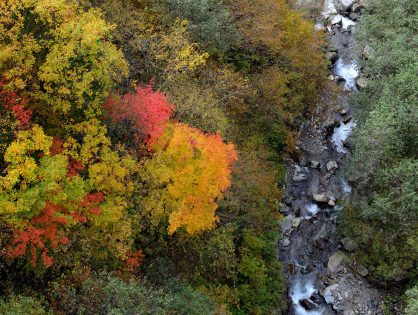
[60, 54]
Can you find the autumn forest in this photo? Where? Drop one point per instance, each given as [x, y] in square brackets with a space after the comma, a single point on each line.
[143, 149]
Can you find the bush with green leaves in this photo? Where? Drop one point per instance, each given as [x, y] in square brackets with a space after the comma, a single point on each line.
[21, 305]
[412, 301]
[211, 23]
[107, 295]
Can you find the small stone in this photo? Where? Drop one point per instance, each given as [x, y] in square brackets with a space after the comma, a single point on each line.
[300, 177]
[285, 242]
[361, 270]
[331, 166]
[354, 16]
[320, 198]
[331, 77]
[286, 225]
[361, 82]
[331, 56]
[285, 210]
[331, 203]
[343, 111]
[367, 52]
[314, 164]
[332, 48]
[336, 262]
[356, 7]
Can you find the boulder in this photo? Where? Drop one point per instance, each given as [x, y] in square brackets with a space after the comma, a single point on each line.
[345, 5]
[331, 166]
[314, 164]
[320, 198]
[336, 19]
[331, 56]
[308, 305]
[361, 82]
[285, 242]
[286, 225]
[336, 262]
[328, 293]
[296, 222]
[349, 244]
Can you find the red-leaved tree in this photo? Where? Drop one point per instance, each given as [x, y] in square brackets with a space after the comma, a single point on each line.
[146, 110]
[16, 105]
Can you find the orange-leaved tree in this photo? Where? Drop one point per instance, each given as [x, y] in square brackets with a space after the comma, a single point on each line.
[188, 171]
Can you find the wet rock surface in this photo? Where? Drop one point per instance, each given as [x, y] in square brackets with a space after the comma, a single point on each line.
[322, 279]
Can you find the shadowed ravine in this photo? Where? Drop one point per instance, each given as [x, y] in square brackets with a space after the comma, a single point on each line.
[316, 184]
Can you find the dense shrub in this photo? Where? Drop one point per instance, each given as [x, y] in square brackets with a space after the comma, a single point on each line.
[383, 214]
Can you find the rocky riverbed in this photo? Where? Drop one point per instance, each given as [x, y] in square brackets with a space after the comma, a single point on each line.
[322, 279]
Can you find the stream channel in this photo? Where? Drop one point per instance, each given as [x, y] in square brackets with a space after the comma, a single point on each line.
[312, 255]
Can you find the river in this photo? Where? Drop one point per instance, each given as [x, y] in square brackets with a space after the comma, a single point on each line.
[320, 281]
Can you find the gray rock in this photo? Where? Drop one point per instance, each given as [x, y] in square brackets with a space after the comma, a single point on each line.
[331, 166]
[349, 244]
[331, 56]
[361, 270]
[300, 177]
[336, 262]
[285, 242]
[332, 48]
[285, 210]
[345, 5]
[314, 164]
[296, 222]
[367, 52]
[356, 7]
[328, 293]
[286, 225]
[336, 20]
[343, 111]
[331, 77]
[354, 16]
[320, 198]
[361, 82]
[331, 202]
